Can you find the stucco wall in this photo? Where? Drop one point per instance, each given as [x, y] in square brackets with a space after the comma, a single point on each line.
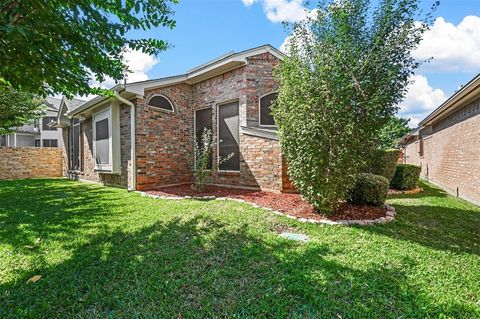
[30, 162]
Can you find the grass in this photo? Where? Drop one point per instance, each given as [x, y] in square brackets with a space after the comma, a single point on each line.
[104, 252]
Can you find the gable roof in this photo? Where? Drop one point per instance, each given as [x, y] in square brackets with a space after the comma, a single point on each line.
[219, 65]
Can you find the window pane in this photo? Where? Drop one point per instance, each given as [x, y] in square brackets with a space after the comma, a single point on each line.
[160, 102]
[3, 140]
[228, 131]
[37, 143]
[203, 119]
[265, 109]
[102, 143]
[76, 147]
[53, 143]
[45, 121]
[46, 143]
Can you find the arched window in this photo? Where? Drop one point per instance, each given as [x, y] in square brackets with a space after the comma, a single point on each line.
[161, 102]
[266, 118]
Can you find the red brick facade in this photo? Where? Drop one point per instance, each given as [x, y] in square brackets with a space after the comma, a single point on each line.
[451, 154]
[164, 139]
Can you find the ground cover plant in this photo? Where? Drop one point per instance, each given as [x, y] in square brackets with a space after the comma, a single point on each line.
[105, 252]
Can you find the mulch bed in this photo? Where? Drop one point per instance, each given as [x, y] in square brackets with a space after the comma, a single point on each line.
[291, 204]
[415, 190]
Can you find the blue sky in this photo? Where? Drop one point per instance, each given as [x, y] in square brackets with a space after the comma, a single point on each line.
[208, 28]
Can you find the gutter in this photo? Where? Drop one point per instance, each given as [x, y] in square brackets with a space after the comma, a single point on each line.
[132, 139]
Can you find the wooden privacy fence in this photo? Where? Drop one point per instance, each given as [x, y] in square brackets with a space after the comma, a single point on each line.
[30, 162]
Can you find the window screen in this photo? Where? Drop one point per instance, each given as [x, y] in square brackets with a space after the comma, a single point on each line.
[228, 135]
[203, 119]
[76, 147]
[50, 143]
[265, 109]
[3, 140]
[102, 143]
[45, 122]
[161, 102]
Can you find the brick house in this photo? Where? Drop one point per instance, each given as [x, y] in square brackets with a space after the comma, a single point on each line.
[230, 95]
[447, 144]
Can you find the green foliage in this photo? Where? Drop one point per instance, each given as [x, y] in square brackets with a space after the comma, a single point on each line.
[406, 176]
[345, 73]
[18, 108]
[59, 46]
[383, 162]
[395, 128]
[202, 165]
[369, 189]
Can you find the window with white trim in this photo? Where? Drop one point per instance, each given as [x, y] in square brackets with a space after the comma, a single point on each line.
[102, 132]
[161, 102]
[50, 143]
[266, 101]
[229, 137]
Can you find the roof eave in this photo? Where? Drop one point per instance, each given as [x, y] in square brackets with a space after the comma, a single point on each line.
[468, 91]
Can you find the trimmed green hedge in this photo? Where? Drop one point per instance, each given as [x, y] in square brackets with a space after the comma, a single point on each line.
[406, 176]
[383, 163]
[369, 189]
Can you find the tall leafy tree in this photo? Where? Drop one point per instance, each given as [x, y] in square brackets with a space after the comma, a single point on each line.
[395, 128]
[57, 46]
[18, 108]
[345, 73]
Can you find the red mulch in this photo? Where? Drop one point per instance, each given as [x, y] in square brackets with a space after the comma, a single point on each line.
[291, 204]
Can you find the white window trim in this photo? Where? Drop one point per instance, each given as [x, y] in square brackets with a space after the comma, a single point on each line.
[260, 110]
[159, 108]
[218, 137]
[99, 116]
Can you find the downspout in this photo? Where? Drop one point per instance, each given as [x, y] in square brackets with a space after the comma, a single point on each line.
[132, 139]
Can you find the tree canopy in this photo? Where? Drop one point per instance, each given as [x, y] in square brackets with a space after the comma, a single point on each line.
[57, 46]
[345, 73]
[18, 108]
[391, 133]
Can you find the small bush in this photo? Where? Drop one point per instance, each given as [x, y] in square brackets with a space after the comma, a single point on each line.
[383, 162]
[369, 189]
[406, 176]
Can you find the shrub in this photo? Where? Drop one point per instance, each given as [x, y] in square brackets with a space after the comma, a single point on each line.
[330, 106]
[369, 189]
[383, 162]
[406, 176]
[202, 159]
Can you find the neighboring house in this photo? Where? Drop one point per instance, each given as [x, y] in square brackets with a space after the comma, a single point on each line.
[447, 143]
[39, 133]
[230, 95]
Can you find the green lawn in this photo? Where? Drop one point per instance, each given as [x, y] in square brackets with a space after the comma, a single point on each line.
[104, 252]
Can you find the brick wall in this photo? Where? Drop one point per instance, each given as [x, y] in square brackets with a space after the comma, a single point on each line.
[452, 158]
[30, 162]
[164, 139]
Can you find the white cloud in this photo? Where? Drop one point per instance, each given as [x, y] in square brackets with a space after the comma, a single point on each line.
[453, 48]
[420, 100]
[284, 10]
[138, 63]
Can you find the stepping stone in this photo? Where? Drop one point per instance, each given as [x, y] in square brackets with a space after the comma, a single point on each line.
[294, 236]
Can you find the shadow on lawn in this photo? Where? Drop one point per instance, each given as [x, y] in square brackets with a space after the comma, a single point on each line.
[196, 268]
[47, 207]
[438, 221]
